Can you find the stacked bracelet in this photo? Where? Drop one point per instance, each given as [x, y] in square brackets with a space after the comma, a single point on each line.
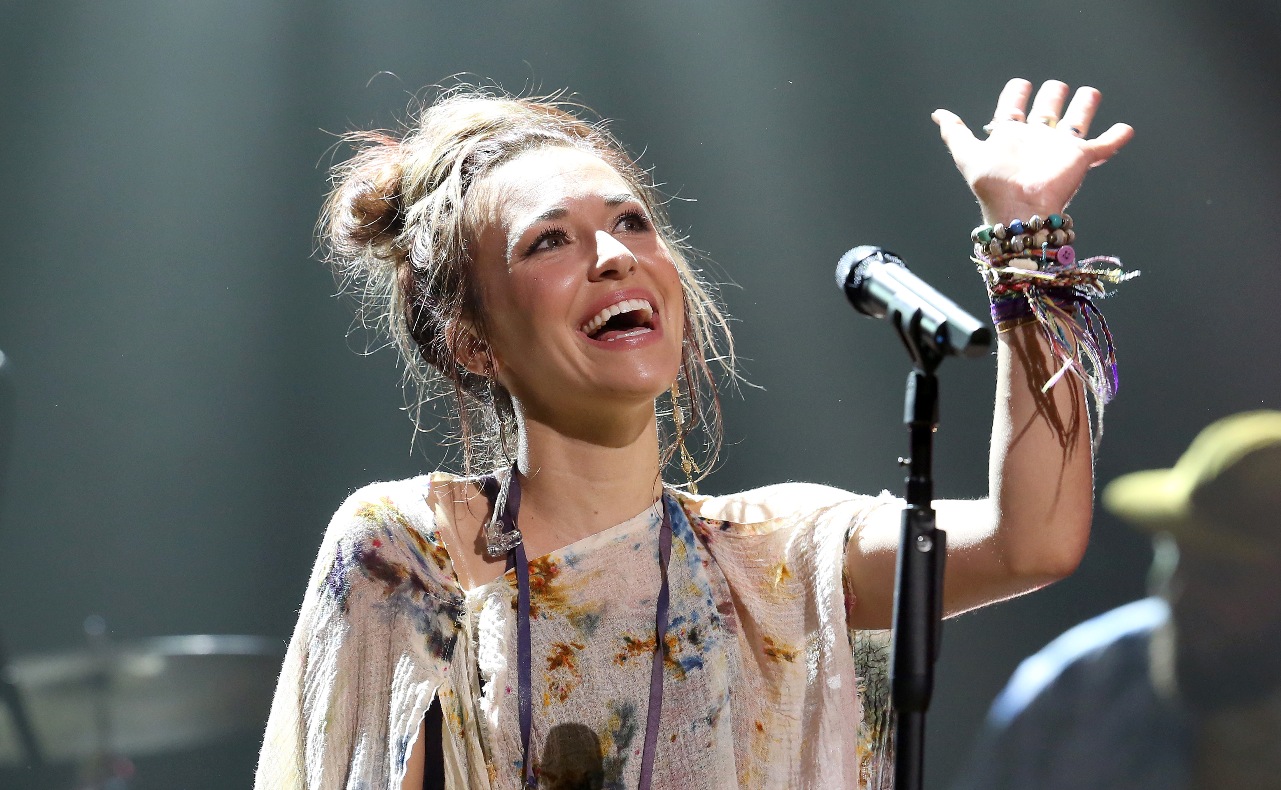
[1032, 275]
[1020, 238]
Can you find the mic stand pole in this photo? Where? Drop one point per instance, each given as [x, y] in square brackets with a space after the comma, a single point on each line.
[918, 595]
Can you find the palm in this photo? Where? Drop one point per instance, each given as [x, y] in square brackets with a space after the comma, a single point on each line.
[1032, 167]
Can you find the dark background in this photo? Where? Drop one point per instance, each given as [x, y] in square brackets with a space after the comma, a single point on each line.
[189, 406]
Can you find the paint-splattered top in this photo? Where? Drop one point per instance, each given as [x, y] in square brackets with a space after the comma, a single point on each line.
[764, 685]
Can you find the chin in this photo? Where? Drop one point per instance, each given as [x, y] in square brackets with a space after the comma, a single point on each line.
[640, 391]
[642, 373]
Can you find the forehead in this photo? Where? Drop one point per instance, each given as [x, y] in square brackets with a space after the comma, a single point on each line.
[543, 180]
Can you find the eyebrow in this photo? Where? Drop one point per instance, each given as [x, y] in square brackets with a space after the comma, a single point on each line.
[560, 212]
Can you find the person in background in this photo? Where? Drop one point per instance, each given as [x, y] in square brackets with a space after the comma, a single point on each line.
[1182, 690]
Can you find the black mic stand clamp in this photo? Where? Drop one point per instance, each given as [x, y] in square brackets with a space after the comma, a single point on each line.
[918, 595]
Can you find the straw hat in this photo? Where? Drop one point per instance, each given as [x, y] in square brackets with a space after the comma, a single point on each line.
[1223, 495]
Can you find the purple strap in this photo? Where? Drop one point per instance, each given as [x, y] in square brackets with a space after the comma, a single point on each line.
[660, 650]
[524, 662]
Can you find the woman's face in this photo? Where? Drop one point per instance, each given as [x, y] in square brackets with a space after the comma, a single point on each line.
[582, 302]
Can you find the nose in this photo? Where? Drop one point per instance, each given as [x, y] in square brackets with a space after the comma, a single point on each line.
[613, 259]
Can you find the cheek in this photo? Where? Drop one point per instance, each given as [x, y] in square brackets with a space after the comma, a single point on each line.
[679, 318]
[519, 298]
[522, 299]
[526, 318]
[669, 282]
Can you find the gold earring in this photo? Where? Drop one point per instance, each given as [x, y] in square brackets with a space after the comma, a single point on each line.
[687, 460]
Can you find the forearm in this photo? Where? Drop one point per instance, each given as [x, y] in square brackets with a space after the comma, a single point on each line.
[1041, 470]
[1033, 527]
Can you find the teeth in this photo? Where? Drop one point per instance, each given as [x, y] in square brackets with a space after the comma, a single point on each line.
[627, 306]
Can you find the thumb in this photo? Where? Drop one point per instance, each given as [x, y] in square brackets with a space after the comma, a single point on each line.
[1105, 146]
[956, 135]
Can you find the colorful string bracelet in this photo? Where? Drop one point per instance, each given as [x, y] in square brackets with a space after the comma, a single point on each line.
[1054, 289]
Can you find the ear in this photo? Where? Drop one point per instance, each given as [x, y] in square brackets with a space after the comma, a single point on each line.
[472, 353]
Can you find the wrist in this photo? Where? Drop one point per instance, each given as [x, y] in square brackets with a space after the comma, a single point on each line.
[1035, 283]
[1018, 207]
[1005, 213]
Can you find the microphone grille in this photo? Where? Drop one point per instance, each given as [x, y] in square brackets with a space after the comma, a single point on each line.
[852, 268]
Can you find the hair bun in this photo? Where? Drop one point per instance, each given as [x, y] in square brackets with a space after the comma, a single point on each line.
[368, 209]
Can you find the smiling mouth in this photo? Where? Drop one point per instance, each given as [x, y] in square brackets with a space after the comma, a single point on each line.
[628, 318]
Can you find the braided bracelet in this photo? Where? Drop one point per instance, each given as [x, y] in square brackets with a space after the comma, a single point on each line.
[1055, 290]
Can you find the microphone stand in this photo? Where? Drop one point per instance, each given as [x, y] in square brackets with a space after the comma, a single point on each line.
[918, 595]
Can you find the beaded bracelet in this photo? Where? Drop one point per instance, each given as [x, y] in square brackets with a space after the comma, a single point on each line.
[1065, 256]
[1052, 288]
[1019, 236]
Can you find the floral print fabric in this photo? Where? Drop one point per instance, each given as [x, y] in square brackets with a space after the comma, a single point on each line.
[761, 685]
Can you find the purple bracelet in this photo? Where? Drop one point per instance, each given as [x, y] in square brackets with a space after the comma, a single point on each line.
[1014, 310]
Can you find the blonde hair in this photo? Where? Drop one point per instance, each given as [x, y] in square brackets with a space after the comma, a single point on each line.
[399, 232]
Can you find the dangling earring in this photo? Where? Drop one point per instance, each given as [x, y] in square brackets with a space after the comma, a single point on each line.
[678, 417]
[498, 542]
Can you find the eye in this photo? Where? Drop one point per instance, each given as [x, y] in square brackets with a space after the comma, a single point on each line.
[631, 222]
[549, 239]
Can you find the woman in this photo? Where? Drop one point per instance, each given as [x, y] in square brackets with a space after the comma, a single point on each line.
[633, 634]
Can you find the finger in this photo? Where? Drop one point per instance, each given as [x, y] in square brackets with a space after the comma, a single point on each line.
[956, 135]
[1080, 112]
[1011, 105]
[1048, 103]
[1105, 146]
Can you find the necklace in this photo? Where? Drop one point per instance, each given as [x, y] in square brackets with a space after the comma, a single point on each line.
[524, 685]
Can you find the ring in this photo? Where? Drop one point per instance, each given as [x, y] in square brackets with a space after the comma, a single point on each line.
[1048, 120]
[1014, 117]
[1074, 131]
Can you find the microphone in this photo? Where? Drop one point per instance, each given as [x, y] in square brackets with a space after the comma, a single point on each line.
[878, 284]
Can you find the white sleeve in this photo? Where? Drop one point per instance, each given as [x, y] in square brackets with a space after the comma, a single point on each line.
[373, 644]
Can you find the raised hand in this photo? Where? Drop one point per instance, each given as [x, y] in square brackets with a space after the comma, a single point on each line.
[1033, 160]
